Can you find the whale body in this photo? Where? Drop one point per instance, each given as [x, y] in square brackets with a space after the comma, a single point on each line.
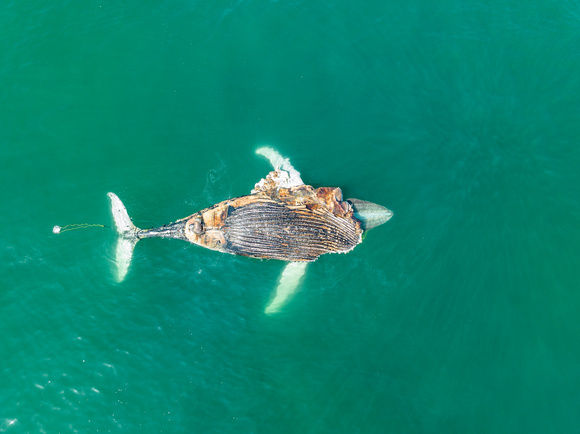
[281, 219]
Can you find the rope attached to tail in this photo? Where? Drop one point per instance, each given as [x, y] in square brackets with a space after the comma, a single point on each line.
[57, 229]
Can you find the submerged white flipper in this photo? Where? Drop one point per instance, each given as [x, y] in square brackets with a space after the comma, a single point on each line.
[278, 162]
[127, 232]
[287, 286]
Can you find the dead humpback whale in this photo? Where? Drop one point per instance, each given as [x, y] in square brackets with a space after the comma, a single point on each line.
[281, 219]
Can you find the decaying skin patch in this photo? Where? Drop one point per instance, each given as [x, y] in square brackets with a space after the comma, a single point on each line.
[297, 223]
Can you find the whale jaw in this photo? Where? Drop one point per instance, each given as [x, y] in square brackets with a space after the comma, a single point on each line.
[370, 214]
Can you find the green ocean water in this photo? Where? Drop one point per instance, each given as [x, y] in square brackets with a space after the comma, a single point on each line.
[461, 314]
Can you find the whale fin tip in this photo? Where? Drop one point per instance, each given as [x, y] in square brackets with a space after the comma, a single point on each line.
[287, 286]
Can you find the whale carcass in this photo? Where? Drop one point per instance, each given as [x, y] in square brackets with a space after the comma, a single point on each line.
[281, 219]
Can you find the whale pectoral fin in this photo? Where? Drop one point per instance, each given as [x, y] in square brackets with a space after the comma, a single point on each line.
[287, 285]
[281, 163]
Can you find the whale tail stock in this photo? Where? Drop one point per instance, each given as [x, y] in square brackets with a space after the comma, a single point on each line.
[127, 236]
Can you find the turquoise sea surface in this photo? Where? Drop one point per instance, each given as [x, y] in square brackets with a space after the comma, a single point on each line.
[460, 315]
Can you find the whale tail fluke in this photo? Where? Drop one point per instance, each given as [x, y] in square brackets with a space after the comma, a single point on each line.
[127, 236]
